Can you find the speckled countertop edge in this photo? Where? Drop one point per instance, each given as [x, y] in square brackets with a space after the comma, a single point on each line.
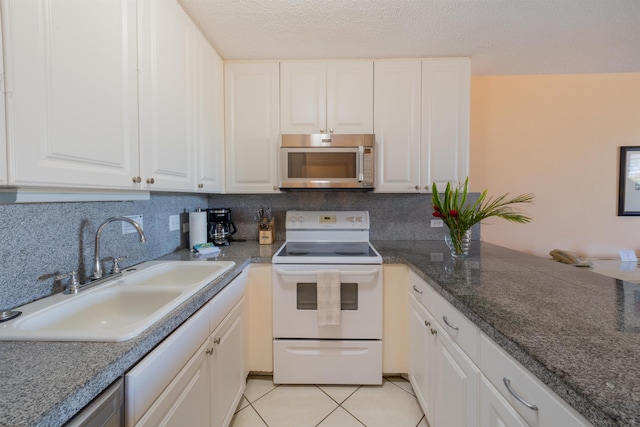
[97, 365]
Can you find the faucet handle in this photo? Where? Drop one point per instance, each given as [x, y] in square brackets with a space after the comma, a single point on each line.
[74, 284]
[115, 268]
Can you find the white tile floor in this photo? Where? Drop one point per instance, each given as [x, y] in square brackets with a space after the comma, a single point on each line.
[265, 404]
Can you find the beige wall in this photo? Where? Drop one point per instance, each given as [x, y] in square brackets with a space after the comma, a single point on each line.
[558, 137]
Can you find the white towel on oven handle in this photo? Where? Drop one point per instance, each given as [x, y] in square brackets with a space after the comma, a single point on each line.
[328, 294]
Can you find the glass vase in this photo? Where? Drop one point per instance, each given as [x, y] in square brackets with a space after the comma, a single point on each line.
[459, 242]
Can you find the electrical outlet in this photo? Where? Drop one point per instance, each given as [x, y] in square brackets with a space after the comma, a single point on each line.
[128, 228]
[174, 222]
[185, 227]
[437, 223]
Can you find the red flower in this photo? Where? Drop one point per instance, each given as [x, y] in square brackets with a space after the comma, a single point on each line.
[438, 215]
[436, 208]
[453, 212]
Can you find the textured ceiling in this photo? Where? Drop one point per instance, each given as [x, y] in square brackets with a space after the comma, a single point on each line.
[500, 36]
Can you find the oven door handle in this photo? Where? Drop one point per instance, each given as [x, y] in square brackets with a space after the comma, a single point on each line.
[315, 273]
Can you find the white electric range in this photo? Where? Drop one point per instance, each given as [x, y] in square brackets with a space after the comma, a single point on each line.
[321, 244]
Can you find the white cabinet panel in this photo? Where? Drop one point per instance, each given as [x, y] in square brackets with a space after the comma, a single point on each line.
[167, 107]
[445, 380]
[252, 127]
[303, 95]
[494, 410]
[397, 125]
[421, 123]
[445, 122]
[186, 401]
[227, 377]
[71, 84]
[550, 410]
[209, 138]
[350, 97]
[326, 97]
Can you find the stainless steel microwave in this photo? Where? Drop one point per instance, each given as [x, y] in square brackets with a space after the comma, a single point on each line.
[327, 161]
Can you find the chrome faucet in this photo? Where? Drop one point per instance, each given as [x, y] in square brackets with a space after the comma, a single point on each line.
[97, 268]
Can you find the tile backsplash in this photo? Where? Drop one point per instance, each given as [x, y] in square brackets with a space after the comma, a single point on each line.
[42, 240]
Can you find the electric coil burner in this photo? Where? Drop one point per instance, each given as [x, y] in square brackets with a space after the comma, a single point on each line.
[326, 246]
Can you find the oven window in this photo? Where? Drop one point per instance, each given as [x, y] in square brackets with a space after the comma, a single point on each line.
[307, 296]
[322, 165]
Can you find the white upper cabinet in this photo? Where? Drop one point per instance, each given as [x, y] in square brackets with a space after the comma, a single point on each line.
[397, 125]
[421, 123]
[167, 104]
[71, 93]
[209, 138]
[326, 97]
[252, 127]
[446, 97]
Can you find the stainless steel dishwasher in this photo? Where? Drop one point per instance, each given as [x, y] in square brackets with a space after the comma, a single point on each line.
[106, 410]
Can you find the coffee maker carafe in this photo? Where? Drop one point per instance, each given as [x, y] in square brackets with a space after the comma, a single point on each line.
[220, 226]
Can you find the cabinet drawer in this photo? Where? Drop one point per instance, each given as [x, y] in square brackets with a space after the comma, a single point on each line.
[551, 410]
[421, 290]
[458, 327]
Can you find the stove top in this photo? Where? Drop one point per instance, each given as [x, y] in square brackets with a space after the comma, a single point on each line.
[327, 237]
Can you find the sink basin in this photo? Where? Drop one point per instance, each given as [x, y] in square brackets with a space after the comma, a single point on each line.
[117, 310]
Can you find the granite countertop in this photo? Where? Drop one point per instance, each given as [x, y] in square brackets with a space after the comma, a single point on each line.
[576, 330]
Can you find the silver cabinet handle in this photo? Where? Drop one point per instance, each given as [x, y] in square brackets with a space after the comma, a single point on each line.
[417, 290]
[209, 351]
[427, 323]
[434, 331]
[507, 383]
[216, 340]
[446, 322]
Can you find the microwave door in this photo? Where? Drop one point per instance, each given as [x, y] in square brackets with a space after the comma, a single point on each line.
[321, 167]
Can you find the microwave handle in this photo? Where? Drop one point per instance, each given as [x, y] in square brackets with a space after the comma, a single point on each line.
[360, 163]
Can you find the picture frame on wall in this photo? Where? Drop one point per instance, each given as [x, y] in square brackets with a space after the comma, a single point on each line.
[629, 182]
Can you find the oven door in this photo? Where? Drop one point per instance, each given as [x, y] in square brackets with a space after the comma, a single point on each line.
[295, 312]
[331, 167]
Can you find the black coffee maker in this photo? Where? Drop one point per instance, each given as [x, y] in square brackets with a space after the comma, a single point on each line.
[220, 226]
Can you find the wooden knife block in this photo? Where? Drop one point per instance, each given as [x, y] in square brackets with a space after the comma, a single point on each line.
[268, 236]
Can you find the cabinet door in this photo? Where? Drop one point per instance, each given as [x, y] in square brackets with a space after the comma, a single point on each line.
[456, 385]
[445, 122]
[397, 125]
[494, 410]
[421, 357]
[350, 97]
[167, 107]
[303, 94]
[185, 401]
[227, 367]
[209, 141]
[71, 80]
[251, 127]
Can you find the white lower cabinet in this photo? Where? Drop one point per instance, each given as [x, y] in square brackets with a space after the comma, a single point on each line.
[495, 411]
[444, 378]
[535, 403]
[463, 378]
[227, 379]
[195, 377]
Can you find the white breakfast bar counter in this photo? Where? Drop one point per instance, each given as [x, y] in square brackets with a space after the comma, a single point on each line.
[572, 328]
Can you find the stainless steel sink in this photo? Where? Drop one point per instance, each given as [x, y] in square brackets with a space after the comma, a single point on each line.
[115, 311]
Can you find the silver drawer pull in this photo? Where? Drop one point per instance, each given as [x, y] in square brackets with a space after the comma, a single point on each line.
[507, 383]
[446, 322]
[417, 290]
